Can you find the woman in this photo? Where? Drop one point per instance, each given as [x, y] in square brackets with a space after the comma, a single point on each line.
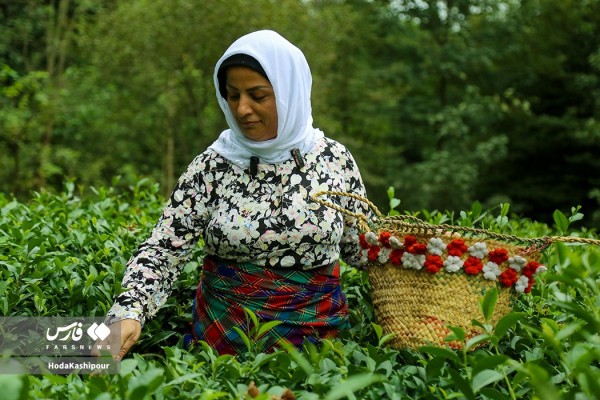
[268, 246]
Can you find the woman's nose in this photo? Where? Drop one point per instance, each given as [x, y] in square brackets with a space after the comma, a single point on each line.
[244, 107]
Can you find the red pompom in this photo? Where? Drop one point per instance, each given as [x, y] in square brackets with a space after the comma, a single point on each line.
[530, 268]
[456, 247]
[472, 266]
[498, 256]
[433, 263]
[363, 241]
[384, 238]
[508, 277]
[373, 253]
[396, 256]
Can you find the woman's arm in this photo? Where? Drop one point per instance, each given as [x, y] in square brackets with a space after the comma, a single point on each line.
[156, 265]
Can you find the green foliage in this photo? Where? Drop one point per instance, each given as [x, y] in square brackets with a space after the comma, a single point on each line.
[256, 334]
[449, 102]
[79, 244]
[64, 255]
[24, 101]
[394, 202]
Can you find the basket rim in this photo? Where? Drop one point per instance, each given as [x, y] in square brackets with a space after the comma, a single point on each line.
[413, 223]
[507, 264]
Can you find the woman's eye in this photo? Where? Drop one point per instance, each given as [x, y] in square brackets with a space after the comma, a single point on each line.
[233, 96]
[259, 98]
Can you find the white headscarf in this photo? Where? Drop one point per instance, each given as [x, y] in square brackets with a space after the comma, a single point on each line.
[289, 74]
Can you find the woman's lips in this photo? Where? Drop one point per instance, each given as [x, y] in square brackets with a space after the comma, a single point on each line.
[250, 124]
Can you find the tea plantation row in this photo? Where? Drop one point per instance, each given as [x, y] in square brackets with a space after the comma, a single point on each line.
[64, 255]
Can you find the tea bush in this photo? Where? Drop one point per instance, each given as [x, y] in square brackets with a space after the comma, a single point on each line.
[64, 254]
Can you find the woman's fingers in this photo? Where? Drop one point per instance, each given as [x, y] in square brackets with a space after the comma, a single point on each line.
[123, 335]
[130, 333]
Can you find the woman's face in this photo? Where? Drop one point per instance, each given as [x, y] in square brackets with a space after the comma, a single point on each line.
[251, 100]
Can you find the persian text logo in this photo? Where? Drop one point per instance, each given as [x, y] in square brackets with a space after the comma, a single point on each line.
[74, 332]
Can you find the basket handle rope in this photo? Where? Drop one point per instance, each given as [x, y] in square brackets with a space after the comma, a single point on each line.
[363, 220]
[414, 225]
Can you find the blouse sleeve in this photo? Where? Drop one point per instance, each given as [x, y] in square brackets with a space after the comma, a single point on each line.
[350, 250]
[157, 263]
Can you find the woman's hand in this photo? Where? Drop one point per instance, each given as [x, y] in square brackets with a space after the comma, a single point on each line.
[130, 333]
[123, 335]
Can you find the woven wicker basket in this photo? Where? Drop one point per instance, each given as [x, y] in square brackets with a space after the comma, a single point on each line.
[426, 278]
[419, 307]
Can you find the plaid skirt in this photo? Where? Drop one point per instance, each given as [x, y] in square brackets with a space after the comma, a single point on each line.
[309, 304]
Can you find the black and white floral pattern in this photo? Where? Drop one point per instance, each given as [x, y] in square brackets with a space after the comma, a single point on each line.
[268, 219]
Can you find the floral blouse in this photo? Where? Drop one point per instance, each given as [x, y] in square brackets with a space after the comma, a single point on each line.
[268, 219]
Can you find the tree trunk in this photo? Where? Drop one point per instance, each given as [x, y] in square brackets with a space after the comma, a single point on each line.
[57, 43]
[169, 160]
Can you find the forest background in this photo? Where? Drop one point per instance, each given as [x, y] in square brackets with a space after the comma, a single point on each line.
[448, 102]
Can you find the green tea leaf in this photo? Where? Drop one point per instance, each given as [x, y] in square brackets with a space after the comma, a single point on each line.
[244, 337]
[570, 329]
[184, 379]
[352, 385]
[14, 387]
[251, 316]
[266, 327]
[507, 322]
[127, 366]
[561, 221]
[145, 383]
[458, 333]
[441, 352]
[489, 363]
[390, 192]
[476, 209]
[488, 303]
[493, 394]
[462, 384]
[378, 330]
[474, 341]
[542, 382]
[386, 338]
[298, 358]
[486, 377]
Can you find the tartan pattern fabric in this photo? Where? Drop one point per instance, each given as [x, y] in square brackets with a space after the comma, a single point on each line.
[310, 304]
